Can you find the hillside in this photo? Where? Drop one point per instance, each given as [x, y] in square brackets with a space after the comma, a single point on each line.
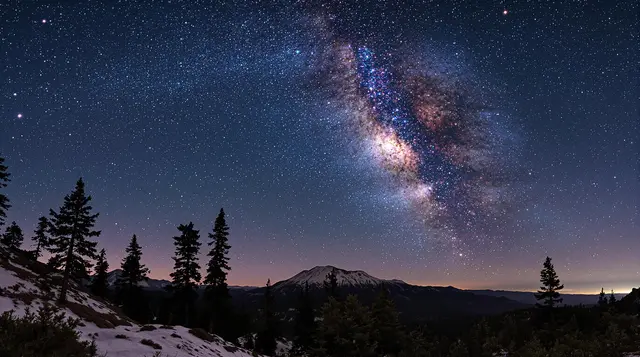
[26, 284]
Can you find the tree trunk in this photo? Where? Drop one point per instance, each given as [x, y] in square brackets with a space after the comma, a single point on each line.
[67, 272]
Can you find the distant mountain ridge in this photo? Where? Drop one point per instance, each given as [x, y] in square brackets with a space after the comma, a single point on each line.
[358, 279]
[526, 297]
[414, 302]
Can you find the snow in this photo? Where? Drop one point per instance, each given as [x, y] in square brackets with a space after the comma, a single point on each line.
[177, 341]
[317, 276]
[19, 292]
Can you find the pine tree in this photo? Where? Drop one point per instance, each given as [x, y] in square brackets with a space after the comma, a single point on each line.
[128, 290]
[99, 284]
[602, 298]
[387, 330]
[612, 298]
[217, 292]
[41, 238]
[186, 271]
[12, 237]
[345, 330]
[4, 200]
[266, 340]
[305, 323]
[70, 228]
[133, 272]
[548, 292]
[331, 284]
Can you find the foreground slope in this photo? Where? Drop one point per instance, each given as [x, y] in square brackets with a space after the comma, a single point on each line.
[26, 284]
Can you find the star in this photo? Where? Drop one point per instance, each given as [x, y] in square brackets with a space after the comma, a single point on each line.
[505, 12]
[44, 21]
[19, 115]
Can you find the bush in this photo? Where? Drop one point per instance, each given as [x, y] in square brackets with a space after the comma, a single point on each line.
[47, 333]
[202, 334]
[147, 328]
[150, 343]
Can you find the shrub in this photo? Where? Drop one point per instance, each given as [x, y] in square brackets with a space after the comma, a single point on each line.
[202, 334]
[150, 343]
[123, 337]
[46, 333]
[147, 328]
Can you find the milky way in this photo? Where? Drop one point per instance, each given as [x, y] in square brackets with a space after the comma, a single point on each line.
[448, 154]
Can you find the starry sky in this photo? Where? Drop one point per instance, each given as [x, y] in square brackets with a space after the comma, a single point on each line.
[442, 143]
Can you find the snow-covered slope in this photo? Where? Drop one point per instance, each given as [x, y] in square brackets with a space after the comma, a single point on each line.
[317, 275]
[27, 284]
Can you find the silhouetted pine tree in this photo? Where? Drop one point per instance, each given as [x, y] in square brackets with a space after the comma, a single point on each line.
[216, 296]
[99, 283]
[128, 290]
[305, 323]
[133, 271]
[70, 229]
[186, 271]
[41, 238]
[4, 200]
[612, 298]
[387, 330]
[266, 339]
[12, 237]
[331, 284]
[602, 298]
[344, 330]
[548, 292]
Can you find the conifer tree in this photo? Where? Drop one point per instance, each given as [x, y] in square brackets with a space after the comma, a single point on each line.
[12, 237]
[345, 330]
[305, 323]
[602, 298]
[128, 290]
[331, 284]
[548, 292]
[612, 298]
[70, 228]
[99, 284]
[216, 291]
[133, 272]
[266, 340]
[387, 330]
[186, 271]
[4, 200]
[41, 238]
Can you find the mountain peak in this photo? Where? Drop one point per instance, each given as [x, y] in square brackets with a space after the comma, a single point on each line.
[317, 275]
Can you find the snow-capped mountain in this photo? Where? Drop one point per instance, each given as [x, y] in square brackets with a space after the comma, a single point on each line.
[316, 276]
[152, 284]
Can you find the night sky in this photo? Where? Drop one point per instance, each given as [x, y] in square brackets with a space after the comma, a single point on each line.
[442, 143]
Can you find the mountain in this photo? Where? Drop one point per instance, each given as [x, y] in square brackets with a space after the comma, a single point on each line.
[316, 276]
[415, 303]
[528, 297]
[151, 284]
[28, 284]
